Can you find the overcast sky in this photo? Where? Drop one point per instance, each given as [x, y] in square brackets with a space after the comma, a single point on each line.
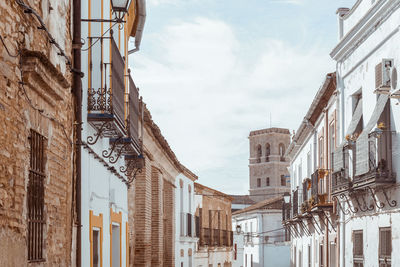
[211, 71]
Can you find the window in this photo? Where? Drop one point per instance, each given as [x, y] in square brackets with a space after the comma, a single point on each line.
[258, 182]
[251, 262]
[309, 164]
[259, 153]
[321, 152]
[321, 255]
[282, 151]
[245, 260]
[309, 256]
[115, 242]
[96, 247]
[358, 249]
[96, 239]
[385, 247]
[115, 247]
[182, 217]
[267, 181]
[267, 152]
[283, 180]
[332, 254]
[35, 198]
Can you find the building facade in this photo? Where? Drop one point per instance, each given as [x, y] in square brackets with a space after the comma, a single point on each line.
[366, 164]
[311, 217]
[185, 229]
[36, 136]
[111, 138]
[214, 228]
[263, 238]
[268, 174]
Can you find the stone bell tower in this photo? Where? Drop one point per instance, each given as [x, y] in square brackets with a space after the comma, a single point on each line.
[268, 174]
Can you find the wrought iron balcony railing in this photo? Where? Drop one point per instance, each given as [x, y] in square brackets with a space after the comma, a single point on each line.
[379, 160]
[106, 104]
[285, 211]
[295, 202]
[205, 237]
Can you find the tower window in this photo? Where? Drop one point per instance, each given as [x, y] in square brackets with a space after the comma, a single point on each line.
[283, 180]
[258, 182]
[267, 181]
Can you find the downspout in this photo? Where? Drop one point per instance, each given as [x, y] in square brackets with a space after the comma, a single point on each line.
[326, 141]
[342, 225]
[141, 8]
[77, 92]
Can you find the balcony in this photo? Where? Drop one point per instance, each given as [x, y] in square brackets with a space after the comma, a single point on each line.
[285, 212]
[296, 203]
[216, 238]
[106, 104]
[205, 237]
[319, 197]
[225, 238]
[379, 161]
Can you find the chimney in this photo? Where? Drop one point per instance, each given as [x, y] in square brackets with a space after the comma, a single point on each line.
[341, 12]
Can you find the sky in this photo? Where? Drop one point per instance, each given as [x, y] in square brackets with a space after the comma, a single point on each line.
[211, 71]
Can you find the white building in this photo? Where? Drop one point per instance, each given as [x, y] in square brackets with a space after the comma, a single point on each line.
[309, 218]
[111, 146]
[186, 234]
[263, 236]
[238, 248]
[367, 163]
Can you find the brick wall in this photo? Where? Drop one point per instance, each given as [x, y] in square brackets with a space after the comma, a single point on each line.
[169, 224]
[142, 217]
[156, 218]
[47, 85]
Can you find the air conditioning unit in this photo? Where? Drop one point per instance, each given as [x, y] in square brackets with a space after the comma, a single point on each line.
[383, 76]
[395, 88]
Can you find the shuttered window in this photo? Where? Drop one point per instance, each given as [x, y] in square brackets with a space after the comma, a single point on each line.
[385, 247]
[35, 197]
[358, 248]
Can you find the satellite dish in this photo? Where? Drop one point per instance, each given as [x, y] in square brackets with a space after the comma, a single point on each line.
[394, 78]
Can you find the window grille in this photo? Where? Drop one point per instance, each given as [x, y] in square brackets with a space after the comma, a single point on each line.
[385, 247]
[35, 197]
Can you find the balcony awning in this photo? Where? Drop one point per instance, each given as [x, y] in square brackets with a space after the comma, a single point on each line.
[362, 141]
[338, 154]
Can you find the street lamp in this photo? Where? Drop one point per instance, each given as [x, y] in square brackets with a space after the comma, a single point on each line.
[238, 229]
[120, 7]
[286, 197]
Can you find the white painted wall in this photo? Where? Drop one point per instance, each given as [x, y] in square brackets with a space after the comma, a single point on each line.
[187, 206]
[356, 68]
[101, 189]
[260, 224]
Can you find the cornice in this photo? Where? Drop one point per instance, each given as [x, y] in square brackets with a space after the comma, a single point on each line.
[364, 28]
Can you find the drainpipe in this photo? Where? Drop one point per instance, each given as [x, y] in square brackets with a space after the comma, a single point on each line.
[77, 92]
[141, 7]
[341, 12]
[326, 140]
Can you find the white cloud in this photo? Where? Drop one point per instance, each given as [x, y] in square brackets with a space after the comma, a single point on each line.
[206, 94]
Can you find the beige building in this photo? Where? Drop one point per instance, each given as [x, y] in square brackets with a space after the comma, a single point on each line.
[36, 135]
[214, 227]
[268, 172]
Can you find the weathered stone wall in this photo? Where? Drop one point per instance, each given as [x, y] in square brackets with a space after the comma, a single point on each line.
[272, 168]
[35, 106]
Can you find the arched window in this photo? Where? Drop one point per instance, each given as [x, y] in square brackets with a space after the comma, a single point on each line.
[267, 151]
[259, 153]
[282, 151]
[267, 181]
